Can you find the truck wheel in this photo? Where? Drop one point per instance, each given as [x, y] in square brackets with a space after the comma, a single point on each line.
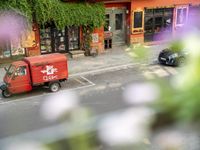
[54, 87]
[6, 94]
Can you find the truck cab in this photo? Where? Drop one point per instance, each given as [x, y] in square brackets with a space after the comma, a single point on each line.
[17, 79]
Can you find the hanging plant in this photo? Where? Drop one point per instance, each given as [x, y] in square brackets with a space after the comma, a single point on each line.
[61, 13]
[21, 7]
[87, 38]
[15, 19]
[68, 14]
[87, 15]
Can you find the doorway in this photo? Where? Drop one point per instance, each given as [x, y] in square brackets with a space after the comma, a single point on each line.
[115, 21]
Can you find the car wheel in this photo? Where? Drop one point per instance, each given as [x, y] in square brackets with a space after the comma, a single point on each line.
[54, 87]
[6, 94]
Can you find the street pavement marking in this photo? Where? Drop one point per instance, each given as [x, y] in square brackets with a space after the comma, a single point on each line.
[160, 72]
[151, 72]
[78, 88]
[45, 94]
[149, 75]
[79, 81]
[87, 80]
[171, 70]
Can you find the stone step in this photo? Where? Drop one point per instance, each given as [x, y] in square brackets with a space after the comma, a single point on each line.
[77, 53]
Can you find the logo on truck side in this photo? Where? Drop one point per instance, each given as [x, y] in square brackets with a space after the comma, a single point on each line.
[50, 70]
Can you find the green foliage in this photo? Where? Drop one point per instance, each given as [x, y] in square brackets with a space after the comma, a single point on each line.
[179, 98]
[22, 7]
[87, 38]
[180, 105]
[177, 45]
[83, 141]
[60, 13]
[139, 52]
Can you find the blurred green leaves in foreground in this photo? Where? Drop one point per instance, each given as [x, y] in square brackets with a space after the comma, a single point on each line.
[180, 95]
[139, 52]
[175, 99]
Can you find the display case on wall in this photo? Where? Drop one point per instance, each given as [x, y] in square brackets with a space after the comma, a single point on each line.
[62, 41]
[59, 40]
[17, 48]
[18, 51]
[73, 38]
[45, 40]
[138, 21]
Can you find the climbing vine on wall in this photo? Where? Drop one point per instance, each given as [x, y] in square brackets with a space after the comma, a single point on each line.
[62, 14]
[21, 7]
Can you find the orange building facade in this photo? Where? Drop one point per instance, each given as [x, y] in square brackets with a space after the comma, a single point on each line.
[126, 22]
[161, 19]
[145, 21]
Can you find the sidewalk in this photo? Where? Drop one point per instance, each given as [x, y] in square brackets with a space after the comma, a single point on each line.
[117, 56]
[112, 57]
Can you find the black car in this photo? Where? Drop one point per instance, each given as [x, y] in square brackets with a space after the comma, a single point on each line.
[172, 58]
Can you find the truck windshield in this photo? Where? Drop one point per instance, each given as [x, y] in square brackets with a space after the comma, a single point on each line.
[11, 70]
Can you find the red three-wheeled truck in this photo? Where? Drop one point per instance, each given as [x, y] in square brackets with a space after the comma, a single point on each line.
[48, 70]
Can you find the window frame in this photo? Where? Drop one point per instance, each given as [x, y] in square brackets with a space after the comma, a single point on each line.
[136, 30]
[21, 71]
[121, 22]
[176, 16]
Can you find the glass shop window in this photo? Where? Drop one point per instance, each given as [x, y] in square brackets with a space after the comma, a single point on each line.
[107, 22]
[149, 21]
[148, 25]
[158, 24]
[181, 16]
[168, 11]
[158, 11]
[73, 37]
[167, 23]
[148, 12]
[21, 71]
[45, 40]
[5, 49]
[17, 49]
[138, 17]
[118, 21]
[59, 40]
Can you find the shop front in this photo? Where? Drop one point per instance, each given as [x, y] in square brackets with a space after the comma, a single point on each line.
[158, 20]
[62, 41]
[11, 49]
[5, 49]
[194, 15]
[158, 24]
